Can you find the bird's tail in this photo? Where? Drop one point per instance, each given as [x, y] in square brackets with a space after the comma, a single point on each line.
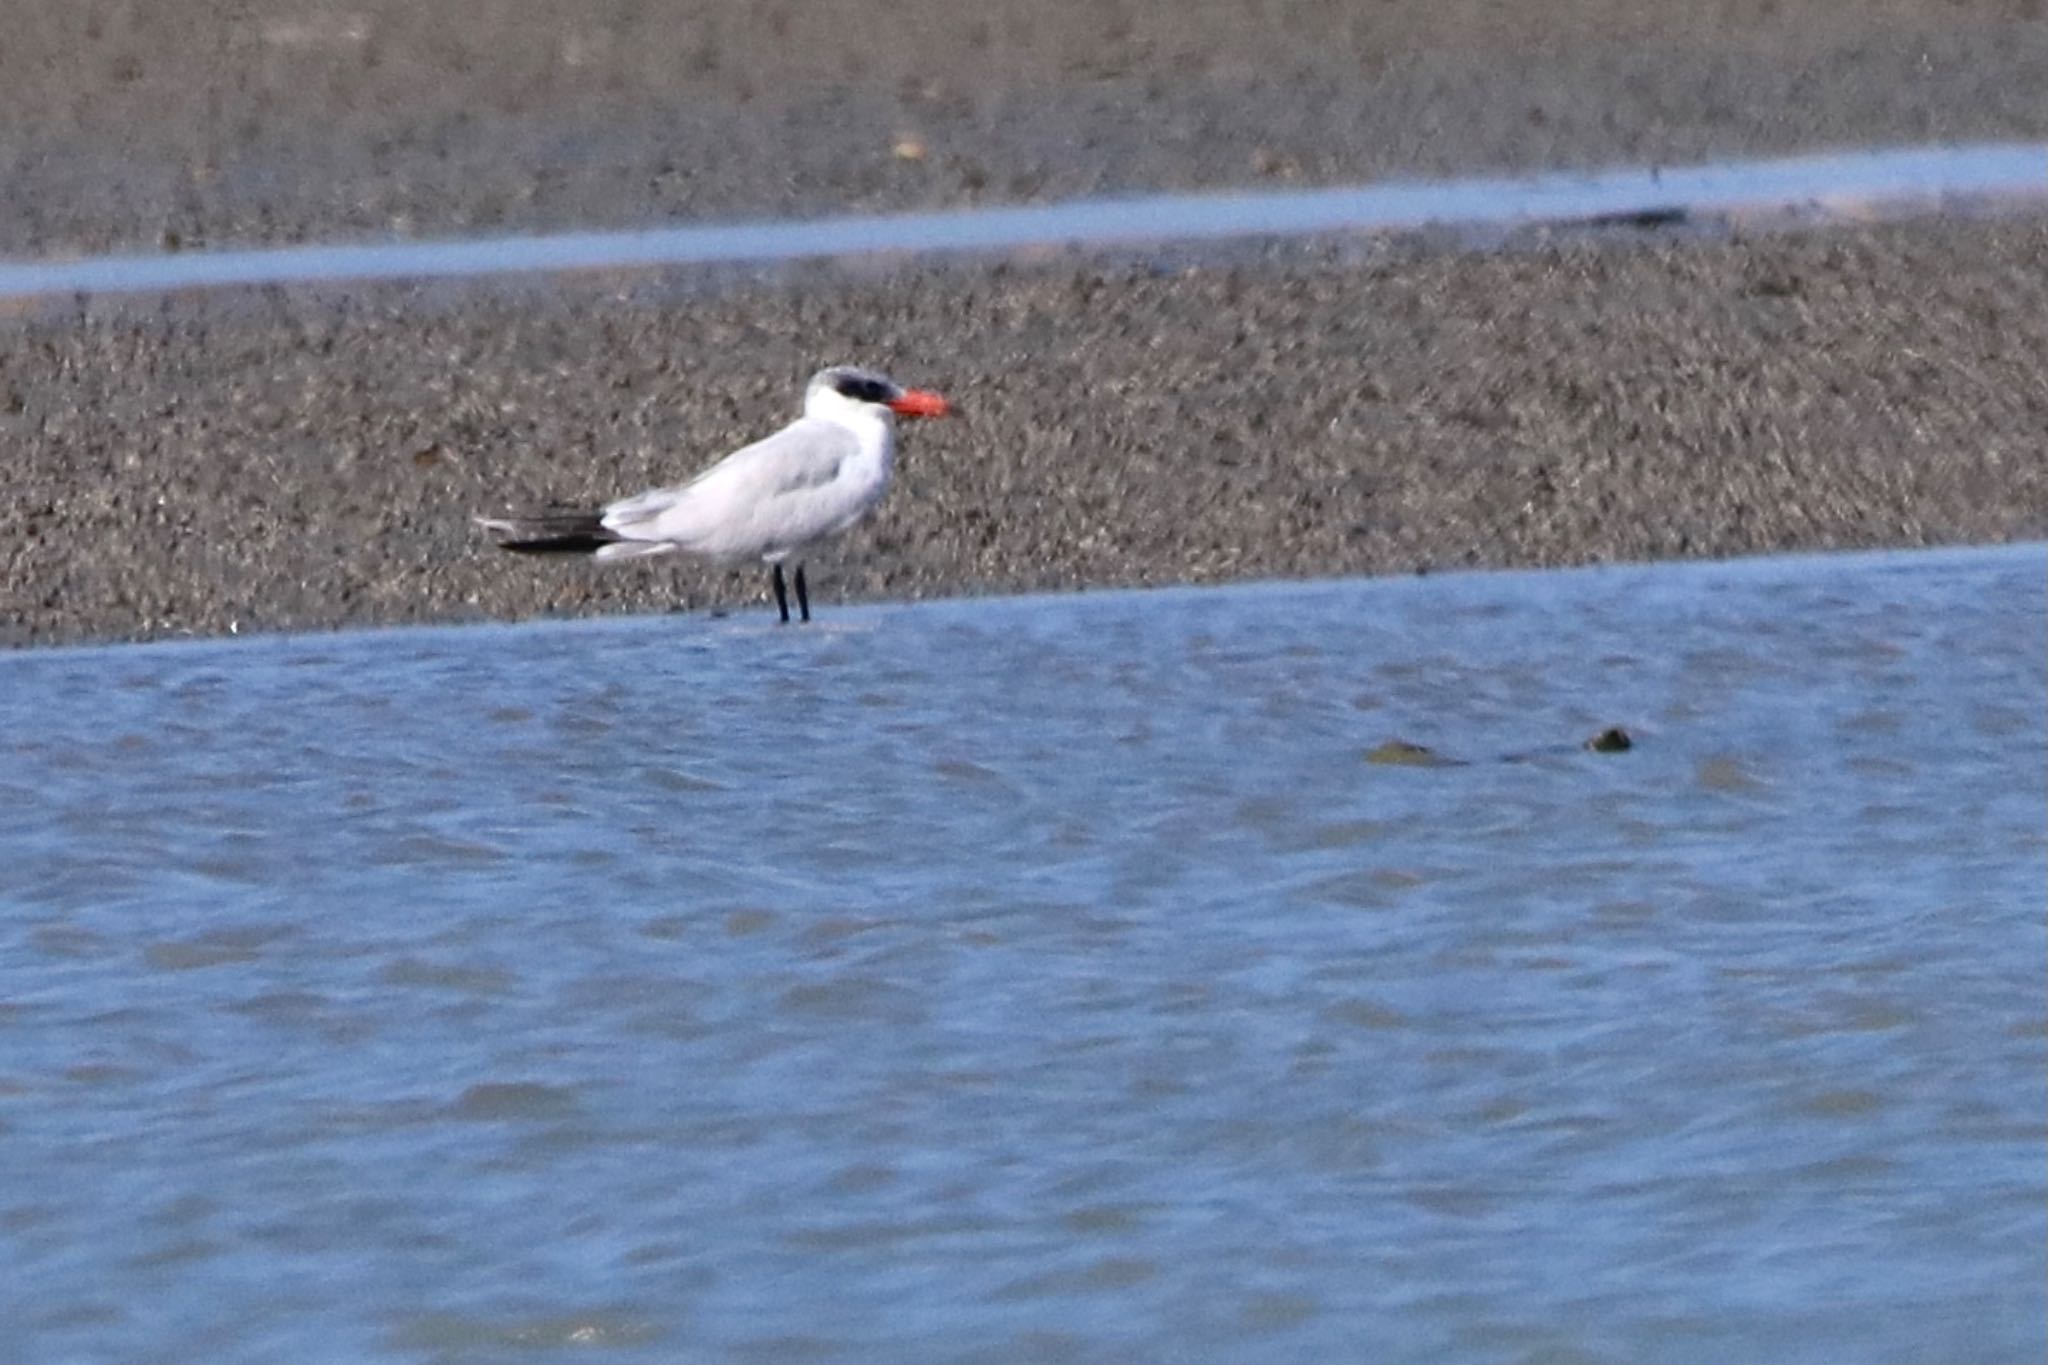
[559, 532]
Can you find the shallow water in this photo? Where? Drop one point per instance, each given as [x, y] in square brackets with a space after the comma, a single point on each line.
[1046, 978]
[1855, 185]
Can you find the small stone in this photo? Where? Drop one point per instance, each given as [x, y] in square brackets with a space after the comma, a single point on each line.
[1267, 162]
[909, 149]
[1612, 740]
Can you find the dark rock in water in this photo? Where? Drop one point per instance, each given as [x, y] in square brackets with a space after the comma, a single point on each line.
[1400, 753]
[1612, 740]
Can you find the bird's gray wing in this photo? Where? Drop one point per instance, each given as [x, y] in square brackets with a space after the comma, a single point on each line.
[805, 454]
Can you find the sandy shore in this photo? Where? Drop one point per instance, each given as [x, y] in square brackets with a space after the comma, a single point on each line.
[279, 460]
[208, 122]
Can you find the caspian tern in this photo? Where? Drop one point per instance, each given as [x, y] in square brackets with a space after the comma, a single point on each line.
[767, 501]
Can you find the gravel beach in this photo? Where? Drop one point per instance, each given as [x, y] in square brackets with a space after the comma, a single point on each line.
[285, 459]
[213, 122]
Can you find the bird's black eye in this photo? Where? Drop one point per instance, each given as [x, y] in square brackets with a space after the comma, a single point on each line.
[865, 390]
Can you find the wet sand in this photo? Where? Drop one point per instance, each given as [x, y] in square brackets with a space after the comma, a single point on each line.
[274, 460]
[210, 122]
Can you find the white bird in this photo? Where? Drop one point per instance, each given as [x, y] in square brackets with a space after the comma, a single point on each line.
[768, 501]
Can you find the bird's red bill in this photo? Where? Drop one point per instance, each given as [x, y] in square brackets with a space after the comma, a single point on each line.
[920, 403]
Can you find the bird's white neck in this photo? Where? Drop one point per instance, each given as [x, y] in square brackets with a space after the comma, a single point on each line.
[873, 427]
[874, 433]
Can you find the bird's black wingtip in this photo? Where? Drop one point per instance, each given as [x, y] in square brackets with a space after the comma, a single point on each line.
[550, 533]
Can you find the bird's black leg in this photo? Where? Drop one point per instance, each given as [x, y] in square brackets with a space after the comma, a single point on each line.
[781, 594]
[803, 594]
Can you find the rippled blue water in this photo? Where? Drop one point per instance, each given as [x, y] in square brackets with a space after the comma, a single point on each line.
[1046, 978]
